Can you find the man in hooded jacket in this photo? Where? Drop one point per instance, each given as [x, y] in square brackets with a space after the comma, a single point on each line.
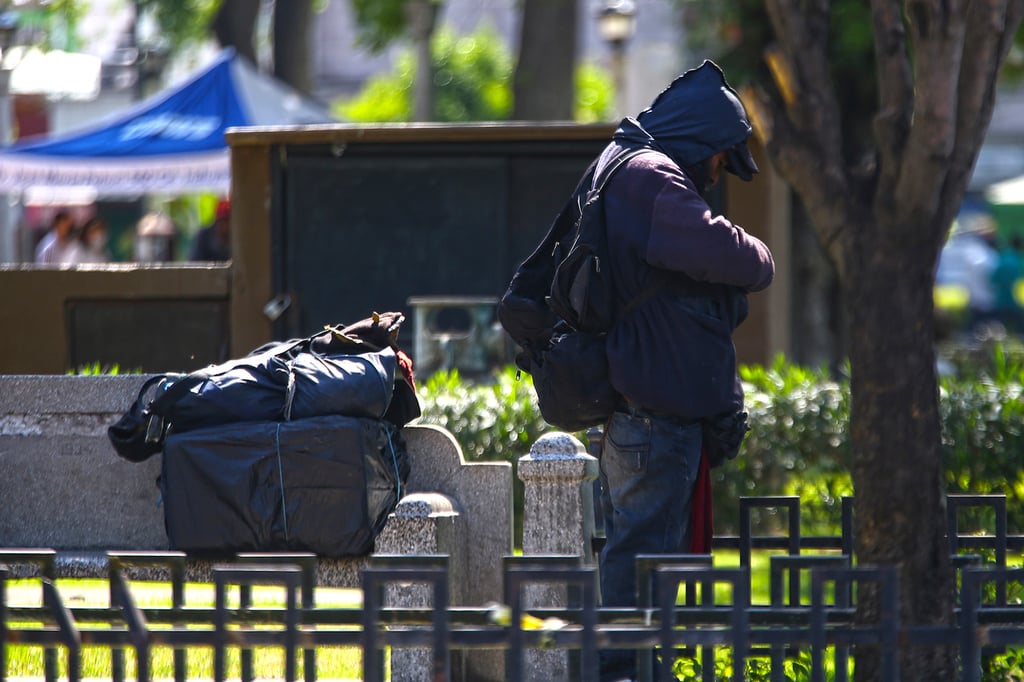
[671, 356]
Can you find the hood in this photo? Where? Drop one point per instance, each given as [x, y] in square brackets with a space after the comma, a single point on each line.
[695, 117]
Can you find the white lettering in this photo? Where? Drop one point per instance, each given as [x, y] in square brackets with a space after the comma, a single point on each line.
[171, 127]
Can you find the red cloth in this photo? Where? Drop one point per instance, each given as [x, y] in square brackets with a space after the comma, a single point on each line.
[224, 208]
[701, 521]
[405, 366]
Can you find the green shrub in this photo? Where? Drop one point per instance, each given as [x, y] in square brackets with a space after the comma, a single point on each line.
[799, 442]
[982, 439]
[798, 445]
[495, 421]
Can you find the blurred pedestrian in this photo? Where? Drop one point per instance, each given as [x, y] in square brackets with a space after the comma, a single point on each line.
[93, 242]
[155, 238]
[59, 245]
[213, 242]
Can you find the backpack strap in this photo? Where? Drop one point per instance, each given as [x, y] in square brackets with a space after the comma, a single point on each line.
[601, 178]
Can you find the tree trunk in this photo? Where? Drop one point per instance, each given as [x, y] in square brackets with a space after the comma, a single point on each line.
[292, 20]
[421, 16]
[817, 322]
[882, 218]
[543, 85]
[235, 26]
[897, 469]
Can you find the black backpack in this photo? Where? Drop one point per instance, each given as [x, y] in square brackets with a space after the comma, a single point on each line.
[560, 304]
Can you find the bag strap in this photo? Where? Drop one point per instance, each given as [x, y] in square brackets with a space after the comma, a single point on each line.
[140, 402]
[649, 291]
[601, 178]
[165, 400]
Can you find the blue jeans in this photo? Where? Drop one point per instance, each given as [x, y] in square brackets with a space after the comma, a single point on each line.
[648, 469]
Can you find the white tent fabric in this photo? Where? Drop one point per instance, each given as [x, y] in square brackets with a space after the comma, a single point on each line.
[1007, 192]
[171, 143]
[56, 73]
[117, 177]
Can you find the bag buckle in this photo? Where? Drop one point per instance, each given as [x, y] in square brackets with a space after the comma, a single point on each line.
[154, 428]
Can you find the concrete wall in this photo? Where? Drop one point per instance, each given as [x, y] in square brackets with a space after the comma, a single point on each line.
[142, 317]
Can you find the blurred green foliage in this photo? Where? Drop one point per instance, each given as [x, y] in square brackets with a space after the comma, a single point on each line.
[181, 22]
[51, 25]
[799, 442]
[380, 22]
[472, 82]
[96, 369]
[595, 94]
[471, 74]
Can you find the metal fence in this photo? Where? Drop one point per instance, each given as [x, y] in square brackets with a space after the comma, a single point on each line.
[686, 605]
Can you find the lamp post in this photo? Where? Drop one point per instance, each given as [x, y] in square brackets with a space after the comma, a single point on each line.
[8, 29]
[616, 23]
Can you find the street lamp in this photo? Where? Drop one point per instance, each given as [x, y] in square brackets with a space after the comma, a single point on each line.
[616, 22]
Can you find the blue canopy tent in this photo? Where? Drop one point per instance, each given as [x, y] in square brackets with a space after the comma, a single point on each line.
[171, 143]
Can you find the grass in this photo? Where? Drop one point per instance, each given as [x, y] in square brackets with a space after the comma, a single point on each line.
[760, 576]
[27, 661]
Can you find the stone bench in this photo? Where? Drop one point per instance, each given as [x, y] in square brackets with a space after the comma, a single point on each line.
[63, 487]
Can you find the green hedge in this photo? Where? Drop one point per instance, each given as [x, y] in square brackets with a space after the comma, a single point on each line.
[799, 441]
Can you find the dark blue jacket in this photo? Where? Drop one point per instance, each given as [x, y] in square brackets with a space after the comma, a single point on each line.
[673, 352]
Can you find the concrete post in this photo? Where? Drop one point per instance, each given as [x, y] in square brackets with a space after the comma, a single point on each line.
[558, 518]
[422, 523]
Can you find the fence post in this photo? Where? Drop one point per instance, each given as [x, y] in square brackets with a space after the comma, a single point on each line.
[422, 524]
[558, 519]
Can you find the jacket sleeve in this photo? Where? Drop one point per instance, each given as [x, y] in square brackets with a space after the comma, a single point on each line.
[687, 237]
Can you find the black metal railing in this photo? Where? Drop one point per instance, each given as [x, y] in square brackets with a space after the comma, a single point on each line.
[679, 610]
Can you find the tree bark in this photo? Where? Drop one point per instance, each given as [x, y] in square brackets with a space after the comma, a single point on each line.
[883, 224]
[235, 26]
[292, 21]
[897, 466]
[817, 321]
[543, 85]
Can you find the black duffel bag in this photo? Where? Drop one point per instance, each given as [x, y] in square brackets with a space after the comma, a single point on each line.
[351, 371]
[324, 485]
